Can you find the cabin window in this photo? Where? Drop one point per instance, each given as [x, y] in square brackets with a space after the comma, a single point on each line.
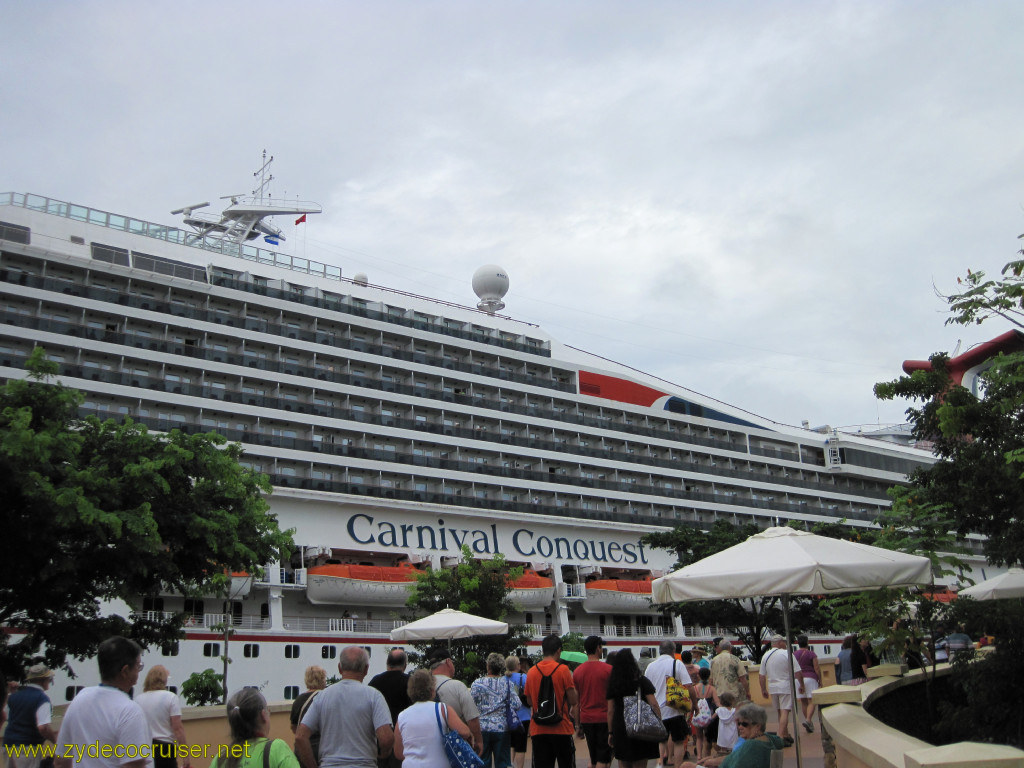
[251, 650]
[71, 691]
[291, 692]
[291, 651]
[211, 649]
[328, 652]
[170, 649]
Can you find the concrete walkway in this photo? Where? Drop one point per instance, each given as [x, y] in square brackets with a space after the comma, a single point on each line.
[810, 744]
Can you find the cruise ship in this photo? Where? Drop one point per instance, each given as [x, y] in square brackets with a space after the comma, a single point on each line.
[396, 428]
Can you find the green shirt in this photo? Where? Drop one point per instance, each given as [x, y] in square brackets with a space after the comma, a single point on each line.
[281, 755]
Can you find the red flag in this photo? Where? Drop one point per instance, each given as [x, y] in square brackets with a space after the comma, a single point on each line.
[300, 220]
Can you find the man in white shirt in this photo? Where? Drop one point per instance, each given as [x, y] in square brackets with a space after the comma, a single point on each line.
[103, 727]
[658, 672]
[774, 676]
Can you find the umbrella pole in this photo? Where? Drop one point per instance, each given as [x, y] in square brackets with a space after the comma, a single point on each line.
[792, 682]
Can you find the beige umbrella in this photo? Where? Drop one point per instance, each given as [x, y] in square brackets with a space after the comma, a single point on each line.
[785, 562]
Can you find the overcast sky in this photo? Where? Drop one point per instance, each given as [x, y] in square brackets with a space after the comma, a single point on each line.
[754, 200]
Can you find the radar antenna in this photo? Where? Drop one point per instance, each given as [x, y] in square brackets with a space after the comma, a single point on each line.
[187, 209]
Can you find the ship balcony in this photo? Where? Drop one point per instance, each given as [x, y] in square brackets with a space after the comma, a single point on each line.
[342, 626]
[287, 579]
[568, 591]
[653, 632]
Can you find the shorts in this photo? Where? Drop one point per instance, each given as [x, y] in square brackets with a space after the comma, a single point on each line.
[596, 735]
[517, 739]
[677, 730]
[810, 686]
[552, 748]
[782, 701]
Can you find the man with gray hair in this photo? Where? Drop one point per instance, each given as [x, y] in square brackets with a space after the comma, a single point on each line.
[353, 720]
[729, 674]
[658, 672]
[454, 693]
[774, 675]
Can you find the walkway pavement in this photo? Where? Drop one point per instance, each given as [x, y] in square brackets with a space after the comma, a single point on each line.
[810, 744]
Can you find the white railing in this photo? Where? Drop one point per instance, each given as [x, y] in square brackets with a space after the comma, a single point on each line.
[572, 591]
[654, 631]
[534, 630]
[376, 627]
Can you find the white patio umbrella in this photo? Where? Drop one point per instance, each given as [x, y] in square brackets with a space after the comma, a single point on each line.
[785, 562]
[448, 624]
[1009, 584]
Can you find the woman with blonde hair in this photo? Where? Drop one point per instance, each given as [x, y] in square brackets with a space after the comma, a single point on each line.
[163, 713]
[249, 720]
[418, 739]
[315, 679]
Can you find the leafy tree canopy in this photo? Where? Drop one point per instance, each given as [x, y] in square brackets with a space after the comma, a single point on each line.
[979, 441]
[102, 511]
[480, 587]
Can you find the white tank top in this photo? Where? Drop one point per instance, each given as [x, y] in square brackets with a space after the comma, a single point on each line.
[421, 739]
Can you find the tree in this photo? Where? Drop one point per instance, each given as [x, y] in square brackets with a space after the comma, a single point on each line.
[479, 587]
[977, 487]
[203, 688]
[96, 511]
[979, 440]
[749, 619]
[982, 299]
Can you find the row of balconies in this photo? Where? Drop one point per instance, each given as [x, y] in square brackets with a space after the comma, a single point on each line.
[485, 431]
[559, 380]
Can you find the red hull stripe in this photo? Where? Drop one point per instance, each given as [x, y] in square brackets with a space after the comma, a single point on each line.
[619, 390]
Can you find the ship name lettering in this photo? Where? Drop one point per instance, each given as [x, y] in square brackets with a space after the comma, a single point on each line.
[360, 528]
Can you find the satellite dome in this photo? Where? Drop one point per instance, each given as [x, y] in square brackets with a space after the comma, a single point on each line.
[360, 278]
[490, 284]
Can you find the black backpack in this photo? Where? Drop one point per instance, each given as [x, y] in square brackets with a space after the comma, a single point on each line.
[547, 711]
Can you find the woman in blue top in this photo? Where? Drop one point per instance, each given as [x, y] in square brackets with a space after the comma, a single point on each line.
[493, 694]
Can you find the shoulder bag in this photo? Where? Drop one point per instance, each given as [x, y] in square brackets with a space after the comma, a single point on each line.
[460, 754]
[677, 695]
[641, 722]
[512, 721]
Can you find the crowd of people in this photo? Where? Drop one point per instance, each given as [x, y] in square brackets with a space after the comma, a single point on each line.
[400, 720]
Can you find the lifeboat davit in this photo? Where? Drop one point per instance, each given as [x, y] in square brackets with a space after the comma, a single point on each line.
[241, 584]
[531, 591]
[618, 596]
[360, 584]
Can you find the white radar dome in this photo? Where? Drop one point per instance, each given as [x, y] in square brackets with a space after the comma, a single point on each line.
[490, 284]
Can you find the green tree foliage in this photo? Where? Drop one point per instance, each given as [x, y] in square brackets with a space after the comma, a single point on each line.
[480, 587]
[203, 688]
[899, 616]
[749, 619]
[976, 486]
[990, 704]
[100, 511]
[981, 299]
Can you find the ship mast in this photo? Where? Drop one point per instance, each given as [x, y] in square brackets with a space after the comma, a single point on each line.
[243, 219]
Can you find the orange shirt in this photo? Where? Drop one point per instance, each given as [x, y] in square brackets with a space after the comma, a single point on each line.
[562, 678]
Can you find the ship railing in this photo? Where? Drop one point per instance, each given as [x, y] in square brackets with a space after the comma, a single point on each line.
[158, 615]
[352, 626]
[286, 578]
[534, 630]
[648, 632]
[572, 591]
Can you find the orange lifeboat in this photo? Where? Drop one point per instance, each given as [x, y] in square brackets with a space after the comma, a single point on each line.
[531, 591]
[618, 596]
[349, 584]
